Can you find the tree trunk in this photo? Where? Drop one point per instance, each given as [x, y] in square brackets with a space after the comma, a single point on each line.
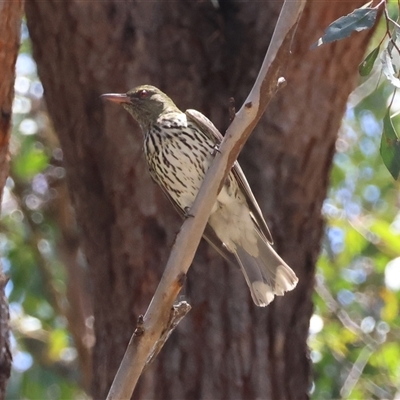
[200, 55]
[10, 26]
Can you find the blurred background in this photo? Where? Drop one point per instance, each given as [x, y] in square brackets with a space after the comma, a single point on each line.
[355, 328]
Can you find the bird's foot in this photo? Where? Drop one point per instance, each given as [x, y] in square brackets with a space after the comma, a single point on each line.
[215, 150]
[187, 213]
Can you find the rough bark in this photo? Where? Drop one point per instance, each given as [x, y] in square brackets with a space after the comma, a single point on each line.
[200, 56]
[10, 23]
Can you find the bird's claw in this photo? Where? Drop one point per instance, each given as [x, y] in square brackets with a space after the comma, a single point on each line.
[186, 210]
[215, 150]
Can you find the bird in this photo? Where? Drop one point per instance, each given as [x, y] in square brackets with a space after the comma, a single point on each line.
[179, 148]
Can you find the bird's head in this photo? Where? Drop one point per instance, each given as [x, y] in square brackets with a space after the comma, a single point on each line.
[145, 103]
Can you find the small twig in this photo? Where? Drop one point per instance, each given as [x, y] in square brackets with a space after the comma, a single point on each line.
[356, 371]
[371, 344]
[387, 16]
[335, 308]
[148, 332]
[388, 29]
[158, 314]
[178, 312]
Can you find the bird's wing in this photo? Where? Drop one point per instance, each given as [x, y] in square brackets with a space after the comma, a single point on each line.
[255, 211]
[167, 195]
[216, 243]
[209, 128]
[205, 125]
[208, 233]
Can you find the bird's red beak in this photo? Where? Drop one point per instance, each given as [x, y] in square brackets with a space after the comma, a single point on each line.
[116, 97]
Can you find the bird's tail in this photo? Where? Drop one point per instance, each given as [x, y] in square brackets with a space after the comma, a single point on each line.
[267, 275]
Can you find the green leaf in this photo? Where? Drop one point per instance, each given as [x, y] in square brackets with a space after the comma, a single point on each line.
[30, 163]
[390, 240]
[58, 341]
[366, 66]
[390, 310]
[358, 20]
[390, 147]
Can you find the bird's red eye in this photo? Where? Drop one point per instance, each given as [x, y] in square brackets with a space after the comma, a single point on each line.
[142, 94]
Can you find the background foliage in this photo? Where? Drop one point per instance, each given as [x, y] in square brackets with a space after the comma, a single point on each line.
[35, 216]
[354, 332]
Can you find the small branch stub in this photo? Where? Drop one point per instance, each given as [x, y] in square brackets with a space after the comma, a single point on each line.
[281, 83]
[178, 312]
[181, 280]
[139, 331]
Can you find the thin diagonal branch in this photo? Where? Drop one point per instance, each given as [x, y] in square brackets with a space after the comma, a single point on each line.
[157, 316]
